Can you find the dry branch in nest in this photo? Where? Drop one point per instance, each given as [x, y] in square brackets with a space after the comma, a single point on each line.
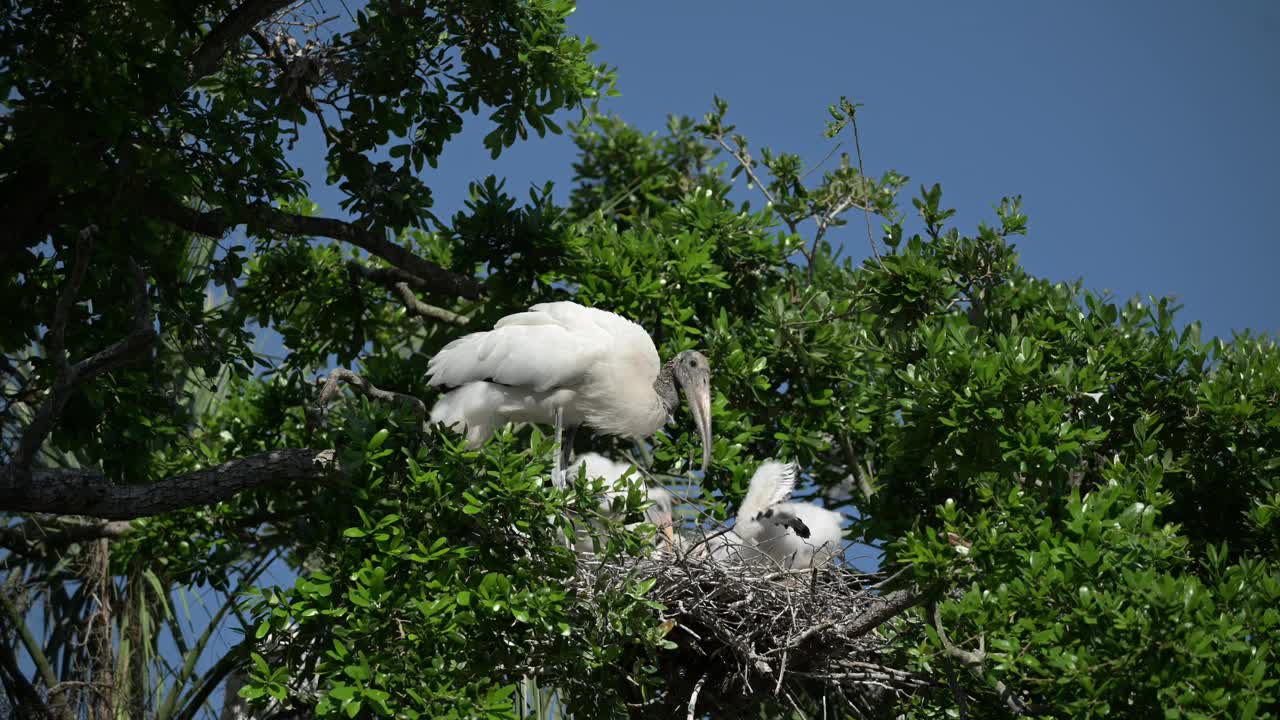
[753, 632]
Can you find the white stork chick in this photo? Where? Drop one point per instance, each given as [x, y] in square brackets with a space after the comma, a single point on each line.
[724, 547]
[563, 362]
[795, 535]
[659, 513]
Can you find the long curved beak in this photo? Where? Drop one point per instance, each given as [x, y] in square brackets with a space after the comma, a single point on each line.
[699, 398]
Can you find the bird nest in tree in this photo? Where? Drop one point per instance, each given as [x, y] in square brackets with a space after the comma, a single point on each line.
[747, 633]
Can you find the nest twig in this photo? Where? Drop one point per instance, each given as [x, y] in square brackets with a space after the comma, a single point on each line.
[752, 632]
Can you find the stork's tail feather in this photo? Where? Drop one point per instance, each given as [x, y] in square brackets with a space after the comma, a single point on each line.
[468, 409]
[784, 518]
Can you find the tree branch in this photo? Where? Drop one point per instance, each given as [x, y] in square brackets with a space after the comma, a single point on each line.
[89, 492]
[330, 391]
[216, 223]
[883, 609]
[975, 661]
[212, 679]
[70, 376]
[236, 25]
[879, 611]
[864, 482]
[20, 628]
[693, 697]
[866, 205]
[19, 688]
[99, 631]
[56, 339]
[432, 312]
[28, 537]
[401, 282]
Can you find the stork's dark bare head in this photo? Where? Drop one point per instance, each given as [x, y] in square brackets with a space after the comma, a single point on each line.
[693, 373]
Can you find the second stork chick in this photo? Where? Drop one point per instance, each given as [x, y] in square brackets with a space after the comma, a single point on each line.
[793, 534]
[659, 512]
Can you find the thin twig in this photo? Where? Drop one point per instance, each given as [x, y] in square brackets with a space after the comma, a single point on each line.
[823, 161]
[693, 697]
[866, 205]
[851, 457]
[746, 164]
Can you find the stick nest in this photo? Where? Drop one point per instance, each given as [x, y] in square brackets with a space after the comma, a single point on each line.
[752, 632]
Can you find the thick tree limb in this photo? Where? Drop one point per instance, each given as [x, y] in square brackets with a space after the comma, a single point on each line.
[881, 610]
[216, 223]
[206, 57]
[389, 277]
[88, 492]
[70, 376]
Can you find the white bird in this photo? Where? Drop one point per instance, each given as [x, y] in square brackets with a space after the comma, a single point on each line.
[795, 535]
[723, 546]
[659, 513]
[567, 365]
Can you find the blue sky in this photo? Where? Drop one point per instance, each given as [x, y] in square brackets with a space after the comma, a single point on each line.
[1136, 132]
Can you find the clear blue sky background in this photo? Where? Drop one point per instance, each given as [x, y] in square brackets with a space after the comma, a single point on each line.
[1136, 132]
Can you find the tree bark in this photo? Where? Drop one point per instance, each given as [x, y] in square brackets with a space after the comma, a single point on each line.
[229, 32]
[216, 223]
[101, 646]
[34, 536]
[90, 493]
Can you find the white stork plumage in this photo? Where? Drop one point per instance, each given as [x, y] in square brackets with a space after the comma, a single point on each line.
[795, 535]
[659, 513]
[567, 365]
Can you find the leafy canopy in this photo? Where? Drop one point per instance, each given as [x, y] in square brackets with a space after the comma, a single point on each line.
[1089, 491]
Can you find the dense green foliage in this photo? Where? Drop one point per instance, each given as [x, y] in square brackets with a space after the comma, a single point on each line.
[1090, 491]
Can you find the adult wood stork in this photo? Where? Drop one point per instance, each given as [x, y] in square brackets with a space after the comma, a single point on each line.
[659, 513]
[564, 364]
[795, 535]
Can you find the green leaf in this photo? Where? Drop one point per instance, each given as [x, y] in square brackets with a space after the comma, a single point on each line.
[377, 440]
